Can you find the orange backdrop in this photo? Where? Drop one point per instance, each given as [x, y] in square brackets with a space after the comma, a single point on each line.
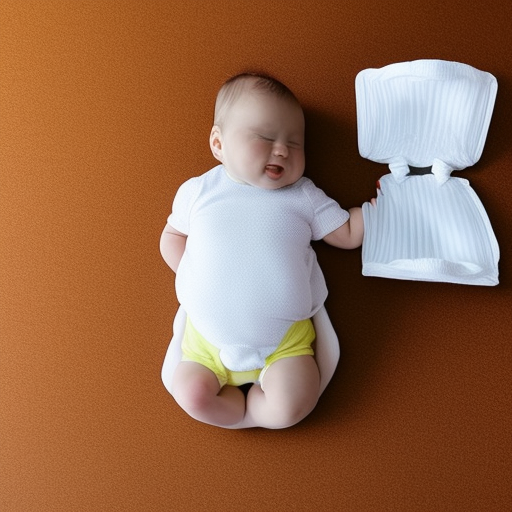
[105, 108]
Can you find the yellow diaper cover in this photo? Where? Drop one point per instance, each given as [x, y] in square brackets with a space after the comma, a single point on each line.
[296, 342]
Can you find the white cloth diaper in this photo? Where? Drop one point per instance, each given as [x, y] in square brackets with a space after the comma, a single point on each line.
[427, 114]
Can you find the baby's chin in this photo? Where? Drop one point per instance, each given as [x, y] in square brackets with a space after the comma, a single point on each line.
[273, 184]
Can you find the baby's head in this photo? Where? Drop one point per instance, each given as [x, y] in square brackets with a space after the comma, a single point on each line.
[258, 132]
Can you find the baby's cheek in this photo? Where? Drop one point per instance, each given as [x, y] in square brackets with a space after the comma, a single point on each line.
[261, 148]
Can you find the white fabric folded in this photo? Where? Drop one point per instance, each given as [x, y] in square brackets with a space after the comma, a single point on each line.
[422, 113]
[422, 231]
[426, 113]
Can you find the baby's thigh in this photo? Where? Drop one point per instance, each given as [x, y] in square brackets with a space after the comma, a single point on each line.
[291, 386]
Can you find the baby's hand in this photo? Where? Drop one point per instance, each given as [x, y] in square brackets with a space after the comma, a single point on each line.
[373, 200]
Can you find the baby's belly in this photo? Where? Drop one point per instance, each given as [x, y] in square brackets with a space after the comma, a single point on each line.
[273, 290]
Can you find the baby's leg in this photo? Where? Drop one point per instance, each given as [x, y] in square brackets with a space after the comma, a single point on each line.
[291, 391]
[198, 392]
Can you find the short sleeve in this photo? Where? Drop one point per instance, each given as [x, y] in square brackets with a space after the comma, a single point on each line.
[328, 215]
[182, 205]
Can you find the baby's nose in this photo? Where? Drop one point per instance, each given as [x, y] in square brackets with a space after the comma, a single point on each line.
[280, 150]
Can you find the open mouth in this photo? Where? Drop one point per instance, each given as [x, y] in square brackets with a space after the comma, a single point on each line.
[274, 172]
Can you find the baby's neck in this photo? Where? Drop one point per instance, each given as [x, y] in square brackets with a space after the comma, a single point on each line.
[232, 178]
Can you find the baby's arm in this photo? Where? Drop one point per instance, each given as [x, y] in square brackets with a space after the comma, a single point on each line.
[172, 246]
[350, 234]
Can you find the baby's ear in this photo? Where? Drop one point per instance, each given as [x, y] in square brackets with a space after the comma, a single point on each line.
[216, 142]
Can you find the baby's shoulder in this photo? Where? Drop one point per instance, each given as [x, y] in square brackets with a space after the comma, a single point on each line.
[206, 180]
[314, 194]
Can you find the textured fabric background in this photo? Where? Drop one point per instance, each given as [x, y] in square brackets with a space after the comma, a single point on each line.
[105, 108]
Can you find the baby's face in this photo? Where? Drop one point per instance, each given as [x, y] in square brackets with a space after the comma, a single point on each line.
[262, 141]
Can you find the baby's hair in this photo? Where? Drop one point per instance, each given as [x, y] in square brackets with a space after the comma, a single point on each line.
[234, 86]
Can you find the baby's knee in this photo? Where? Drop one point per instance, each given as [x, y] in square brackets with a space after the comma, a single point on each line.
[291, 414]
[194, 397]
[281, 411]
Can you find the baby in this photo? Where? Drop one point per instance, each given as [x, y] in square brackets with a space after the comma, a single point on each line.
[239, 239]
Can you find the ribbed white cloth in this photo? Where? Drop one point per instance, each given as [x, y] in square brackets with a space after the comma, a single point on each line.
[426, 113]
[422, 231]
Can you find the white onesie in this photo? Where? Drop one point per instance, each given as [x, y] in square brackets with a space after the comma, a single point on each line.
[249, 271]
